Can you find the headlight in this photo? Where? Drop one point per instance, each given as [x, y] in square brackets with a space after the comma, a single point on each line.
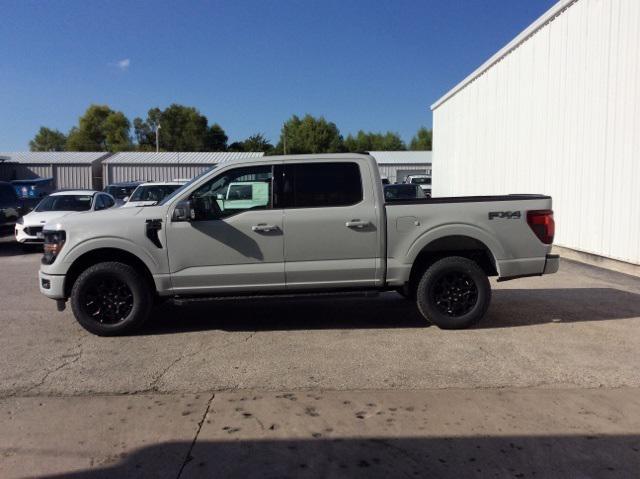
[53, 243]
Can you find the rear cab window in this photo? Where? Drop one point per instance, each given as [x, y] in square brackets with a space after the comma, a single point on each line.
[316, 185]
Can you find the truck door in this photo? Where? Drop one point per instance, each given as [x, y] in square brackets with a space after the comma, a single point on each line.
[233, 243]
[330, 223]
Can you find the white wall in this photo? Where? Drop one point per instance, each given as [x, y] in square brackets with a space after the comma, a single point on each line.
[559, 115]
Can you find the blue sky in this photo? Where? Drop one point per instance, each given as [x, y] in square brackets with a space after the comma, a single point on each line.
[248, 65]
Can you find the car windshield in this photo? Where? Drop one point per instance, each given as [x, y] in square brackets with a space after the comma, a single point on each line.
[152, 192]
[65, 203]
[403, 192]
[183, 187]
[119, 192]
[421, 181]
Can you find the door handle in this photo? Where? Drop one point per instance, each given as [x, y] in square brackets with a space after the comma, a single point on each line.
[264, 228]
[357, 224]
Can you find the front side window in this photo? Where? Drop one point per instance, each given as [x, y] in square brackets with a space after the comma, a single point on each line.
[234, 191]
[321, 185]
[65, 203]
[99, 203]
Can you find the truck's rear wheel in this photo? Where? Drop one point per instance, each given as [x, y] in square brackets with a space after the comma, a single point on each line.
[110, 299]
[453, 293]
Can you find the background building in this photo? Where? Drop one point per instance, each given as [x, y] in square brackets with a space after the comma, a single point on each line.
[164, 166]
[396, 165]
[68, 169]
[556, 111]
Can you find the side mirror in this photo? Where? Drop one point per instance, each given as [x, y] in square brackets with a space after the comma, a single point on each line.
[220, 196]
[125, 199]
[183, 212]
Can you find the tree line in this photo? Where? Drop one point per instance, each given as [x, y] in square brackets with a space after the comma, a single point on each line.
[184, 128]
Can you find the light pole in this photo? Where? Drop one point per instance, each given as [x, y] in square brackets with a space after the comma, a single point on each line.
[157, 137]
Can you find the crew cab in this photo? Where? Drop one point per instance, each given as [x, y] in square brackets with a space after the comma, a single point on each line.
[322, 226]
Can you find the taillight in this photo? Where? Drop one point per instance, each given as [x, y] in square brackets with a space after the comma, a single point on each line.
[542, 224]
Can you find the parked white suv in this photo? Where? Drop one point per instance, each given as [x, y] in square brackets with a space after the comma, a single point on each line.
[150, 193]
[28, 228]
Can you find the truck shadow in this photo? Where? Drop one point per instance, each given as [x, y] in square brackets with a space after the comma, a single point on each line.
[509, 308]
[614, 455]
[526, 307]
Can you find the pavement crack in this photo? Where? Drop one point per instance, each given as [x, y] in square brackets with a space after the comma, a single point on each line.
[251, 335]
[188, 457]
[69, 357]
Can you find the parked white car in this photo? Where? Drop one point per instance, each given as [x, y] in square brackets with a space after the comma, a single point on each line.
[62, 203]
[148, 194]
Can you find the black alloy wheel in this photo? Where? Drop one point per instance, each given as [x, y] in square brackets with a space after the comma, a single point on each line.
[454, 293]
[107, 300]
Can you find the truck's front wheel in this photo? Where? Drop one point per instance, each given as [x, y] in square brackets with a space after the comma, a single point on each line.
[110, 299]
[453, 293]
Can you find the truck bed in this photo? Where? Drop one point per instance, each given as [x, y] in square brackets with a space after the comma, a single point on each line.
[498, 223]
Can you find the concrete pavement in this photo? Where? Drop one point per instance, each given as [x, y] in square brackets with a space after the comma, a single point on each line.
[554, 366]
[317, 434]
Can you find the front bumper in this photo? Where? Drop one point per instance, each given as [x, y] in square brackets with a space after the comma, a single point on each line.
[23, 237]
[552, 264]
[51, 285]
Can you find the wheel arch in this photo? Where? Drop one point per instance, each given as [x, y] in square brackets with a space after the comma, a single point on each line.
[101, 255]
[452, 245]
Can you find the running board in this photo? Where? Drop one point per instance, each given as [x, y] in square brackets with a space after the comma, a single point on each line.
[182, 300]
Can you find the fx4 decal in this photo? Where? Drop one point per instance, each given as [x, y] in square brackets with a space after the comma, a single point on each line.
[510, 215]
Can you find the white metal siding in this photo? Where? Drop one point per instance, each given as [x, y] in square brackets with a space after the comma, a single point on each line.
[559, 115]
[114, 173]
[73, 177]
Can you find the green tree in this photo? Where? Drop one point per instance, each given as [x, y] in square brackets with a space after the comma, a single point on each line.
[309, 135]
[100, 129]
[48, 140]
[422, 140]
[182, 128]
[364, 141]
[257, 142]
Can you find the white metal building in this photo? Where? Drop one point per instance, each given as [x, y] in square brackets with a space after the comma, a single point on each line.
[396, 165]
[68, 169]
[164, 166]
[556, 111]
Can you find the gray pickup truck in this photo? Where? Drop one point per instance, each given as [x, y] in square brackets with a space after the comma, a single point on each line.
[303, 224]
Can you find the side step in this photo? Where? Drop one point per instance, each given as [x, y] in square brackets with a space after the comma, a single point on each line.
[182, 300]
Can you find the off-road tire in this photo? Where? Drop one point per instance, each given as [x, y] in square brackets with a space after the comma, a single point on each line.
[453, 293]
[132, 294]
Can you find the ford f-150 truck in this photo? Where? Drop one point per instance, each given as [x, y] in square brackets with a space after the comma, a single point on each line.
[318, 224]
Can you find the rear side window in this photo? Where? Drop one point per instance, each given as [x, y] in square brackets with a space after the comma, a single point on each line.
[315, 185]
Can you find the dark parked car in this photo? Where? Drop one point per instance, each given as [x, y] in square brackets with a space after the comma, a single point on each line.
[10, 207]
[32, 191]
[403, 192]
[122, 191]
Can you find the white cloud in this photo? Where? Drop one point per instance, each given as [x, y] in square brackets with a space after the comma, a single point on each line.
[123, 64]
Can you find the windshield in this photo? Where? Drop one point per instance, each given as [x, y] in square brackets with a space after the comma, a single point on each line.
[186, 185]
[119, 192]
[153, 192]
[65, 203]
[421, 181]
